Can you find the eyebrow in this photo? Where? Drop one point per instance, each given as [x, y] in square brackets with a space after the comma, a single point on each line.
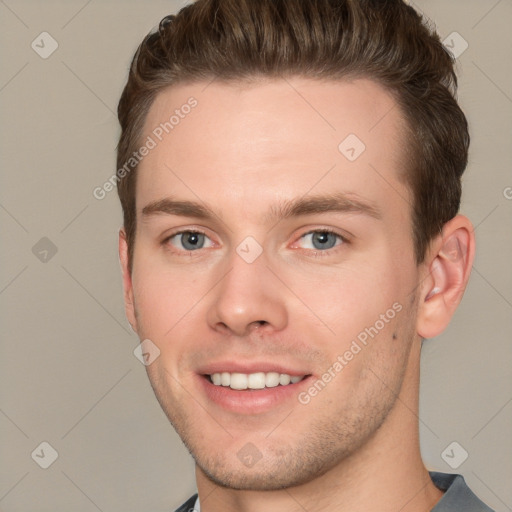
[310, 205]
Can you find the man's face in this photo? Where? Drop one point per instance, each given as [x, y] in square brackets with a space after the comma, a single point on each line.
[269, 288]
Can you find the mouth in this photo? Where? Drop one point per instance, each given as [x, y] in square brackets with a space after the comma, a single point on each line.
[251, 389]
[253, 381]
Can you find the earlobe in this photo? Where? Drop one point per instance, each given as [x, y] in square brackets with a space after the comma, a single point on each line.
[451, 259]
[127, 280]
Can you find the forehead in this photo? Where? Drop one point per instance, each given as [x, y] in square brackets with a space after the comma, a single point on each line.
[253, 142]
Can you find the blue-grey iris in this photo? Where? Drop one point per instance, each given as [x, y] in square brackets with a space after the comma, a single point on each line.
[324, 239]
[191, 241]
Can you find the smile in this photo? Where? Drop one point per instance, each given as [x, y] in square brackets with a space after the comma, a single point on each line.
[258, 380]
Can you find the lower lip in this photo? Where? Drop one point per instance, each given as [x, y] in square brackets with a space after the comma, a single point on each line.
[255, 401]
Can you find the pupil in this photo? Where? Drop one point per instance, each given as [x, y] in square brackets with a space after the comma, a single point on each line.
[192, 240]
[324, 239]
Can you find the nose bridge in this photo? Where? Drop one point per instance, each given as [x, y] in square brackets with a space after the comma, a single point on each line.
[247, 294]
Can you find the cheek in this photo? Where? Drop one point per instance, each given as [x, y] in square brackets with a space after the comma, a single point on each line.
[349, 300]
[161, 298]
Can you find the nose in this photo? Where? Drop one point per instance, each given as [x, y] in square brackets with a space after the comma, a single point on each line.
[248, 297]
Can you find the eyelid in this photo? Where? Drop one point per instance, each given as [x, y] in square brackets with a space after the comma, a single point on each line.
[317, 253]
[180, 231]
[344, 236]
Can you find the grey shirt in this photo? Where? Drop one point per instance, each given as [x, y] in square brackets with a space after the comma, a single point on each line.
[458, 497]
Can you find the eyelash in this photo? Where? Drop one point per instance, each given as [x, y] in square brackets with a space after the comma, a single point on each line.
[328, 252]
[312, 252]
[167, 239]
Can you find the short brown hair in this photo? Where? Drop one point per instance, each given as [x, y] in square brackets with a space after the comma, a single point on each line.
[386, 41]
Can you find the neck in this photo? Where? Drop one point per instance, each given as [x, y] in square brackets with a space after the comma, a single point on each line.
[386, 474]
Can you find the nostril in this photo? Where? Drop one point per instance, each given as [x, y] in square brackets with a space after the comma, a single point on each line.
[259, 323]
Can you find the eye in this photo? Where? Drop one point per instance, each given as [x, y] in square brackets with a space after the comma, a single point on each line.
[321, 240]
[189, 240]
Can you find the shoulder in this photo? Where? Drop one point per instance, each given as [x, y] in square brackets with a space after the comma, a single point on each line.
[458, 496]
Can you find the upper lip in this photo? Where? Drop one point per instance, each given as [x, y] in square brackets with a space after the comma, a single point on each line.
[251, 367]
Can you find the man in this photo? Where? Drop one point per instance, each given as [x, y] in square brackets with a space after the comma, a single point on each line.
[289, 172]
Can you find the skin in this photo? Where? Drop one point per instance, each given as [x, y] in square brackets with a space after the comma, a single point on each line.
[244, 149]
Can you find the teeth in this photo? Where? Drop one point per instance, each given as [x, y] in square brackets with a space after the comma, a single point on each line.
[259, 380]
[256, 381]
[238, 381]
[284, 379]
[271, 379]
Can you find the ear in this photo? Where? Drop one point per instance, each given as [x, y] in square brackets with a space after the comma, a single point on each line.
[127, 280]
[448, 267]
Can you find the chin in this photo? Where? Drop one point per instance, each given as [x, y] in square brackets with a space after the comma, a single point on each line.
[250, 479]
[278, 468]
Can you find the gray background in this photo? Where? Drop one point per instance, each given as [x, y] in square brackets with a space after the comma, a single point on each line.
[68, 373]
